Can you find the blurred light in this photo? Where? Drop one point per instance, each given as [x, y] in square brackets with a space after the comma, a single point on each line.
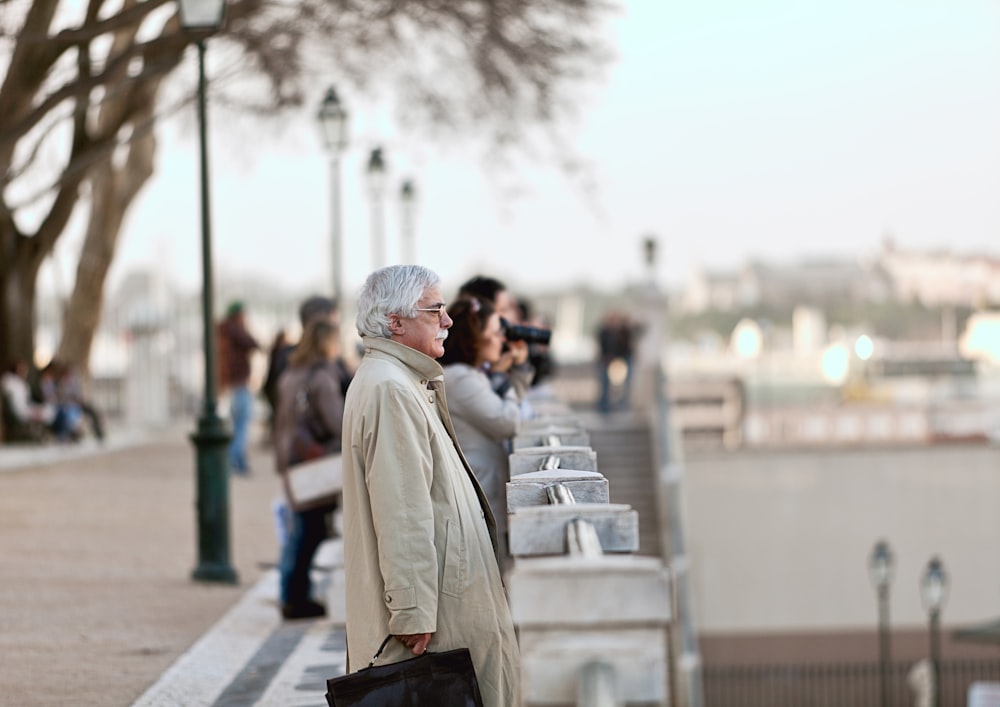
[981, 339]
[864, 347]
[747, 339]
[834, 364]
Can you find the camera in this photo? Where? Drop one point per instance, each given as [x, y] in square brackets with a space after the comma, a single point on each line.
[530, 334]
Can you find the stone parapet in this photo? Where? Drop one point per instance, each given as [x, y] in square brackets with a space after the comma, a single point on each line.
[529, 489]
[541, 530]
[552, 660]
[538, 596]
[581, 458]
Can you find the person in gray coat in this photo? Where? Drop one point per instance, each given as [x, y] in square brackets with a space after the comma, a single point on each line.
[420, 547]
[308, 390]
[484, 421]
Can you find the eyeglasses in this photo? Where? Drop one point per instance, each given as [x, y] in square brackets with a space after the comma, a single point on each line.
[438, 309]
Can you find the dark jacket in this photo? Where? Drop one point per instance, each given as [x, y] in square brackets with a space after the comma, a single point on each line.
[235, 346]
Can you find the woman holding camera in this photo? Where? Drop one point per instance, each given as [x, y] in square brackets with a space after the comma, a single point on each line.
[484, 421]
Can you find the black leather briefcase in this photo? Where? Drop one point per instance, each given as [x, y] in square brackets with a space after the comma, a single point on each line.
[445, 679]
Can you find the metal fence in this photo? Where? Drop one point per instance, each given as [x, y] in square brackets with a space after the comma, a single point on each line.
[835, 685]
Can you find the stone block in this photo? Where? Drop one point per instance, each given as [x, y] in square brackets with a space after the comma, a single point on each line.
[541, 530]
[567, 422]
[528, 489]
[570, 458]
[331, 583]
[551, 662]
[574, 592]
[566, 436]
[336, 597]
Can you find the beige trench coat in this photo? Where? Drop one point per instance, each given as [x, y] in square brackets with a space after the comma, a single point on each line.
[419, 538]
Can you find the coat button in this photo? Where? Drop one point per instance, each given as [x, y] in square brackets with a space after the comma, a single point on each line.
[388, 598]
[430, 398]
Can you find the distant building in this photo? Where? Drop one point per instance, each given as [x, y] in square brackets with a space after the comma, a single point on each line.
[813, 282]
[936, 278]
[932, 278]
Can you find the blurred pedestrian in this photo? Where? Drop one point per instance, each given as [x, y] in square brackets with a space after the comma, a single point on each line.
[420, 547]
[236, 345]
[23, 417]
[69, 391]
[270, 388]
[484, 423]
[314, 307]
[310, 401]
[616, 342]
[68, 423]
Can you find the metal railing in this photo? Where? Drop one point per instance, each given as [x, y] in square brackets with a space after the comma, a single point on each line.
[834, 685]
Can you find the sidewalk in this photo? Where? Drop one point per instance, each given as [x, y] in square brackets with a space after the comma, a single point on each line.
[97, 606]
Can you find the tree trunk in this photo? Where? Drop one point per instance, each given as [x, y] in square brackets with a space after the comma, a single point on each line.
[18, 273]
[113, 189]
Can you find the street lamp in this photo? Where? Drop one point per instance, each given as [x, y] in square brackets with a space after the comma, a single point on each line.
[333, 127]
[203, 18]
[408, 201]
[376, 171]
[880, 569]
[934, 591]
[649, 256]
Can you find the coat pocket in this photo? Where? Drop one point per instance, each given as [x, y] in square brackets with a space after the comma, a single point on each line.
[454, 575]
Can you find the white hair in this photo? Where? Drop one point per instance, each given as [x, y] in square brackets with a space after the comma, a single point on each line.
[395, 289]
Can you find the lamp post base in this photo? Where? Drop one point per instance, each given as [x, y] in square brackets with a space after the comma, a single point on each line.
[211, 441]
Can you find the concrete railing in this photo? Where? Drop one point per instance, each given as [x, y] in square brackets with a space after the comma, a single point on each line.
[592, 617]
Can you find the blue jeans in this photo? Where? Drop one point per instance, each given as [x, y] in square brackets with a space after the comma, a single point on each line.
[241, 411]
[308, 530]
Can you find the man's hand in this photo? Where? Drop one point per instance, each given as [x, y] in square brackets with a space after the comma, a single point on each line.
[416, 642]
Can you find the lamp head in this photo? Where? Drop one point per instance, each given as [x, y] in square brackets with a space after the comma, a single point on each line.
[333, 122]
[376, 170]
[407, 192]
[934, 585]
[880, 564]
[205, 15]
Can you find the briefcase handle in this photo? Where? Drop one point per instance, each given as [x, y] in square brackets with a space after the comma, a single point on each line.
[380, 649]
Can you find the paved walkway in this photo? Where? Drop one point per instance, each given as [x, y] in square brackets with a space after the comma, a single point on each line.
[97, 607]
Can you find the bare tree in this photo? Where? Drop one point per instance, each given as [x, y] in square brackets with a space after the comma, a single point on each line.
[83, 88]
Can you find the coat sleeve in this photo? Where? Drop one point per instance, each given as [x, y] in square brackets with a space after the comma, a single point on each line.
[472, 399]
[399, 471]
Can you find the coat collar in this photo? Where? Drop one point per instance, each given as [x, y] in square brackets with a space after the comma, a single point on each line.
[422, 365]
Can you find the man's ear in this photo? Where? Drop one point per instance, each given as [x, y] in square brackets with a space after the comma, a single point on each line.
[396, 325]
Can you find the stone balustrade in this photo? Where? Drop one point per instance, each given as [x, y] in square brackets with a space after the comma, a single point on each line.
[592, 618]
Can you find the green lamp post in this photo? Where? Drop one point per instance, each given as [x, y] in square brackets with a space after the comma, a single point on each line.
[332, 117]
[376, 171]
[880, 568]
[934, 591]
[204, 17]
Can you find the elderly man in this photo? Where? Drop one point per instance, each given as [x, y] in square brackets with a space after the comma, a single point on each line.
[419, 538]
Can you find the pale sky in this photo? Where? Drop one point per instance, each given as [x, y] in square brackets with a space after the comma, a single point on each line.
[776, 129]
